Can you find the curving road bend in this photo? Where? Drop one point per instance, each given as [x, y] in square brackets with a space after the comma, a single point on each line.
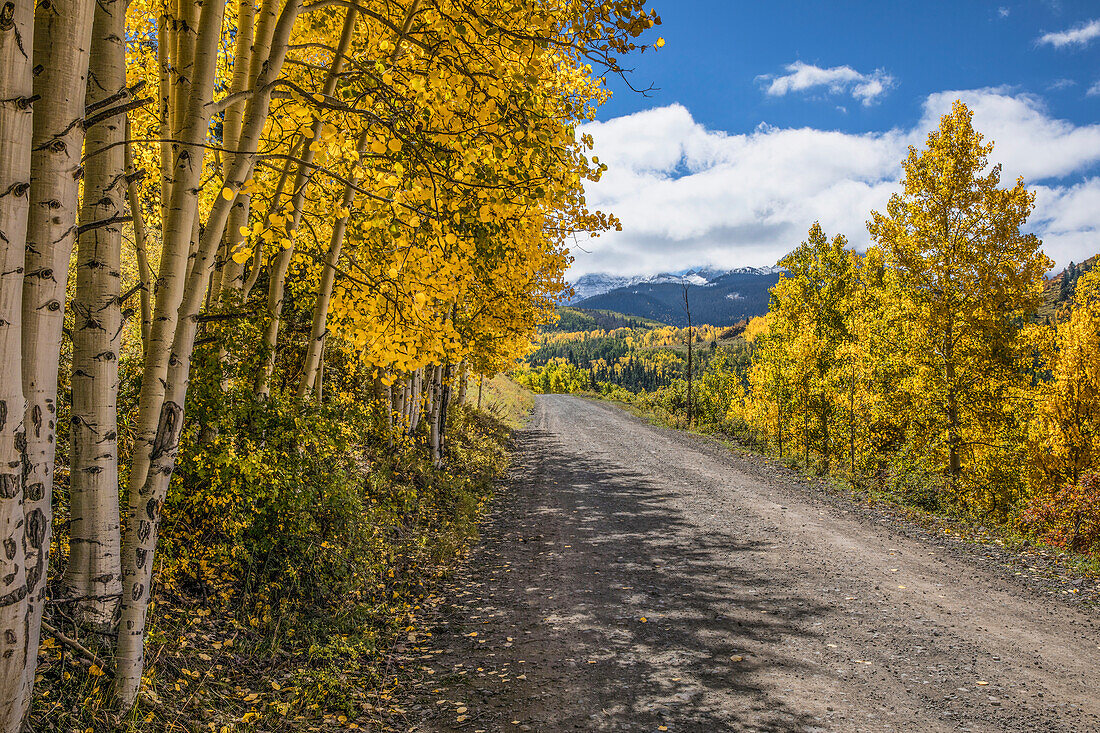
[634, 578]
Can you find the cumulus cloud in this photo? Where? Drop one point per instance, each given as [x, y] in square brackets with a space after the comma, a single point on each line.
[801, 77]
[690, 196]
[1080, 35]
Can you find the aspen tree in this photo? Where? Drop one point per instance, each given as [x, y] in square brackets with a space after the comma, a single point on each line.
[141, 241]
[277, 276]
[62, 33]
[92, 575]
[178, 226]
[16, 100]
[145, 499]
[961, 272]
[231, 134]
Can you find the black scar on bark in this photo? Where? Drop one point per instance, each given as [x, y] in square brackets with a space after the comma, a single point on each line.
[36, 528]
[9, 485]
[168, 431]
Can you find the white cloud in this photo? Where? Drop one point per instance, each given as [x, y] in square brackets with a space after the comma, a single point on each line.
[801, 77]
[1094, 90]
[689, 196]
[1077, 36]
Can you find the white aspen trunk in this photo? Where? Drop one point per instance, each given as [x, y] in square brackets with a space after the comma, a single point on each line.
[319, 328]
[146, 499]
[400, 399]
[234, 286]
[319, 391]
[324, 290]
[436, 391]
[62, 35]
[416, 400]
[463, 378]
[184, 64]
[166, 91]
[277, 284]
[387, 405]
[273, 207]
[92, 575]
[141, 243]
[182, 210]
[16, 98]
[445, 378]
[231, 137]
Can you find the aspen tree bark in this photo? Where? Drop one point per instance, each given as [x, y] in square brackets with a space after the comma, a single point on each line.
[187, 28]
[92, 575]
[141, 242]
[16, 99]
[165, 104]
[463, 378]
[180, 216]
[277, 283]
[416, 403]
[231, 138]
[62, 35]
[444, 403]
[233, 285]
[311, 363]
[435, 432]
[159, 454]
[324, 289]
[387, 402]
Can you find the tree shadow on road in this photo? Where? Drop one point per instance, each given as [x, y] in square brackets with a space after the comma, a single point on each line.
[625, 613]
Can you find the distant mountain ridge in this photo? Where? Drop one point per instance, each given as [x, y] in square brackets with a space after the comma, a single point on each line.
[717, 297]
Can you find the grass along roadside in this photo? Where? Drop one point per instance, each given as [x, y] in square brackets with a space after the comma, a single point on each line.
[223, 661]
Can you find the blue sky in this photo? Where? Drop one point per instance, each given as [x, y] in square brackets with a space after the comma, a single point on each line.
[743, 87]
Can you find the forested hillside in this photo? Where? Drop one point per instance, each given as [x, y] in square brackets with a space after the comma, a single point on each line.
[253, 258]
[716, 298]
[951, 377]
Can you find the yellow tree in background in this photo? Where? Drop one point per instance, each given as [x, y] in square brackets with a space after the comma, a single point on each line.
[961, 276]
[1066, 432]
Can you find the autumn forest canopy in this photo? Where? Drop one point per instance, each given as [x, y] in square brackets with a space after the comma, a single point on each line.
[250, 254]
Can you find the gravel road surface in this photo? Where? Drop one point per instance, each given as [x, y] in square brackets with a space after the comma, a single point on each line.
[634, 578]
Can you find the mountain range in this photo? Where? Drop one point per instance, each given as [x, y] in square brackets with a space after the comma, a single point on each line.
[717, 297]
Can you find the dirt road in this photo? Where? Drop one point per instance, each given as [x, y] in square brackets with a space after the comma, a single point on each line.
[633, 578]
